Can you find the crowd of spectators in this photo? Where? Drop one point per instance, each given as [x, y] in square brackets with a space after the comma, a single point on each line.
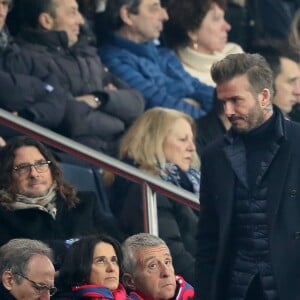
[131, 79]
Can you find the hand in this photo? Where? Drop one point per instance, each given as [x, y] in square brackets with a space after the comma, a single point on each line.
[89, 100]
[110, 87]
[192, 102]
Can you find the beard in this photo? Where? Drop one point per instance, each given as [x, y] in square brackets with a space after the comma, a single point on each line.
[246, 123]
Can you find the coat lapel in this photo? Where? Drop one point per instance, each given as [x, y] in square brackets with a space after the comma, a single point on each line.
[277, 179]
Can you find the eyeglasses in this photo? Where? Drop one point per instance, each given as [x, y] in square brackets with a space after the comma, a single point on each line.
[40, 166]
[40, 288]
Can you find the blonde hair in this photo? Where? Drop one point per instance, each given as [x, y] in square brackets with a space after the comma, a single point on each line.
[294, 36]
[143, 143]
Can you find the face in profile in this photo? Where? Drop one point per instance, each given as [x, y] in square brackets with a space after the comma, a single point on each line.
[40, 274]
[179, 147]
[105, 269]
[68, 19]
[31, 181]
[244, 111]
[4, 8]
[212, 33]
[147, 24]
[154, 276]
[287, 85]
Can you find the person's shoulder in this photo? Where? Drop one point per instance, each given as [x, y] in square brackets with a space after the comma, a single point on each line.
[292, 128]
[232, 48]
[215, 146]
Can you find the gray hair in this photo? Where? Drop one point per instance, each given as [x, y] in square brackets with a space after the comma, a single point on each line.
[112, 12]
[136, 242]
[255, 66]
[15, 255]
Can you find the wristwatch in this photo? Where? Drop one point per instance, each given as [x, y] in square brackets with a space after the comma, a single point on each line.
[97, 100]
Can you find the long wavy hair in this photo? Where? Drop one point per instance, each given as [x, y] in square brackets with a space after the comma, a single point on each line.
[7, 156]
[143, 142]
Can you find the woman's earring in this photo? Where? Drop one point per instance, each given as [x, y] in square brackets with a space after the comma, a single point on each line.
[195, 45]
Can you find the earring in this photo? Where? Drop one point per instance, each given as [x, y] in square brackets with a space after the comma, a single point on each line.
[195, 45]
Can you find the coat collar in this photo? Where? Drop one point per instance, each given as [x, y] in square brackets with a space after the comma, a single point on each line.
[235, 150]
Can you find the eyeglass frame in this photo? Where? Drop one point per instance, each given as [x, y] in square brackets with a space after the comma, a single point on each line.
[27, 167]
[40, 288]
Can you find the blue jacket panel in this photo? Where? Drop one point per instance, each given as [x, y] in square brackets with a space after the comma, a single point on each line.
[157, 73]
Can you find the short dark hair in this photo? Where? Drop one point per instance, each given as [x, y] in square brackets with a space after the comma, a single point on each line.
[7, 156]
[273, 51]
[30, 10]
[112, 12]
[255, 66]
[184, 16]
[76, 268]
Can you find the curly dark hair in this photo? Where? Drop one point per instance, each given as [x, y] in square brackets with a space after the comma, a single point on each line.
[185, 16]
[7, 156]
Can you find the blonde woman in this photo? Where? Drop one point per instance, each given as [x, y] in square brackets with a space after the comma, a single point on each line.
[161, 142]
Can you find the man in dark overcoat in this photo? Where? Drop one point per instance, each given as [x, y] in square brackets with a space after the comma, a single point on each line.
[249, 226]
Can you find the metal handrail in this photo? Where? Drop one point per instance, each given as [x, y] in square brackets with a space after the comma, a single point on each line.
[104, 161]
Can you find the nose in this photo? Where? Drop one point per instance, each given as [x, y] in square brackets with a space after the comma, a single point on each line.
[45, 296]
[228, 109]
[33, 171]
[165, 270]
[110, 266]
[296, 89]
[226, 26]
[80, 19]
[164, 14]
[191, 146]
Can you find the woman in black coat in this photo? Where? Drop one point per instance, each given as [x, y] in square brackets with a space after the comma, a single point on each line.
[161, 142]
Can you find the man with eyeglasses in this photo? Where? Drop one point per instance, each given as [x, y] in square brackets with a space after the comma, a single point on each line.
[36, 202]
[26, 270]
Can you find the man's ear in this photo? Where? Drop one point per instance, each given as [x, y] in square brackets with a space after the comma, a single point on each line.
[125, 15]
[265, 97]
[7, 279]
[46, 21]
[128, 281]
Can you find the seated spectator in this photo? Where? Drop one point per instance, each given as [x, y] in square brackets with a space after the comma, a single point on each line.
[38, 100]
[161, 143]
[149, 271]
[91, 270]
[36, 203]
[129, 51]
[284, 64]
[101, 106]
[198, 32]
[26, 270]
